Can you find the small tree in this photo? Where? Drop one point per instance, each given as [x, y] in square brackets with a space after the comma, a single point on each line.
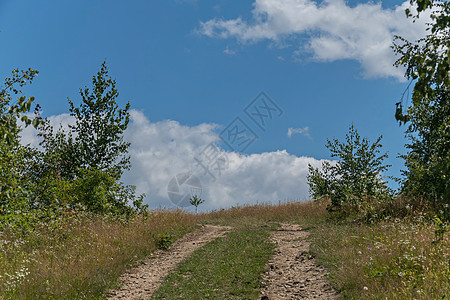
[355, 178]
[91, 156]
[100, 125]
[196, 201]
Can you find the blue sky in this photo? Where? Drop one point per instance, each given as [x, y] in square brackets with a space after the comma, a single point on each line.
[200, 63]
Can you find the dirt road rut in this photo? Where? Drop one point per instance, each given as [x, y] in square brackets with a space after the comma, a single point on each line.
[143, 281]
[292, 272]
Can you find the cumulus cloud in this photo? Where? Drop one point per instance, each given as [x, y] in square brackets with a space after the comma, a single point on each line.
[303, 131]
[161, 150]
[334, 29]
[29, 136]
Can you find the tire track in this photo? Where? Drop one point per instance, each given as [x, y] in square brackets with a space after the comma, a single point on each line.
[142, 281]
[292, 272]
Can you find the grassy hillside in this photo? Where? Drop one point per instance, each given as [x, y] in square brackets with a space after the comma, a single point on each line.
[82, 256]
[394, 258]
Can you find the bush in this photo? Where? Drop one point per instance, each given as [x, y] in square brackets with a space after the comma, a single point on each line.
[165, 241]
[354, 182]
[99, 192]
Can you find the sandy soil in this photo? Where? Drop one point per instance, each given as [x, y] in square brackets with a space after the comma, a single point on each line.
[292, 272]
[141, 282]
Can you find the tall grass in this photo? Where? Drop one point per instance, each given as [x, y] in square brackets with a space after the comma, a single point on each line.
[397, 258]
[82, 256]
[304, 212]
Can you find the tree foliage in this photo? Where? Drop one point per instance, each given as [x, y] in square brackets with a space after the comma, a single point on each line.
[428, 160]
[11, 110]
[60, 156]
[355, 178]
[100, 125]
[77, 169]
[427, 62]
[196, 201]
[13, 156]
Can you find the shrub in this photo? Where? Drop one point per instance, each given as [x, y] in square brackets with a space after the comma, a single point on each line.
[165, 241]
[100, 192]
[355, 181]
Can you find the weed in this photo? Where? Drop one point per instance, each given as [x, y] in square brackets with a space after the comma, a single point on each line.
[165, 241]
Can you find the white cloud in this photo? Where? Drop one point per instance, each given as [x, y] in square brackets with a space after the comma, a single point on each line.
[335, 30]
[228, 51]
[303, 131]
[28, 134]
[161, 150]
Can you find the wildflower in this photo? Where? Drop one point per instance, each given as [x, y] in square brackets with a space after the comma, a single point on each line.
[400, 274]
[366, 288]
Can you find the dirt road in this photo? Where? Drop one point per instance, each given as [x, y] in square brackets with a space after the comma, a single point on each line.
[143, 281]
[291, 273]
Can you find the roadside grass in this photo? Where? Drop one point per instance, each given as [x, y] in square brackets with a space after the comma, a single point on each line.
[397, 258]
[230, 267]
[81, 256]
[394, 259]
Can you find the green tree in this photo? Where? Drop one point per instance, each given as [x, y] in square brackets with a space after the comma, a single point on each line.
[10, 110]
[54, 167]
[88, 159]
[427, 62]
[101, 193]
[12, 155]
[428, 160]
[61, 154]
[355, 178]
[99, 128]
[15, 160]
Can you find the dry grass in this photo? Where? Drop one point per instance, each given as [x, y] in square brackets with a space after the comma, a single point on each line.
[81, 257]
[304, 212]
[393, 259]
[397, 259]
